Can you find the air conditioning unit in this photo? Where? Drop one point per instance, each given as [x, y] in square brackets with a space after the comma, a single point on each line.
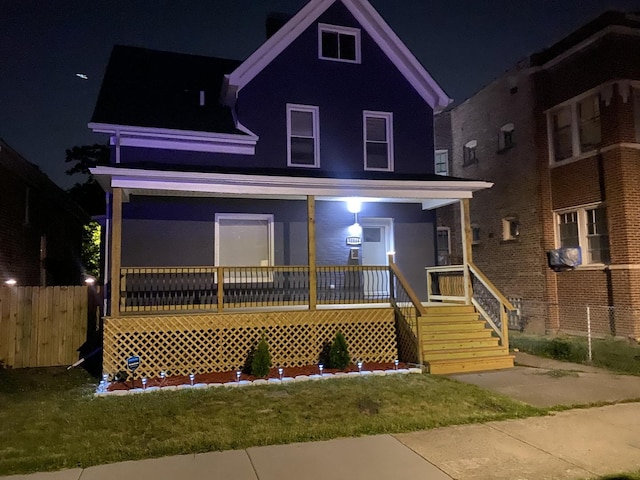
[566, 258]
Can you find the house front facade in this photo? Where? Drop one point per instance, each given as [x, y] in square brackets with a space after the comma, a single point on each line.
[283, 194]
[559, 136]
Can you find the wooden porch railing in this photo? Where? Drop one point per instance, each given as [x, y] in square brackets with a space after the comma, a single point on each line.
[447, 284]
[227, 288]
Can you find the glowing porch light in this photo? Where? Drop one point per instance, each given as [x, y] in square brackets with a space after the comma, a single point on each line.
[355, 230]
[354, 205]
[12, 282]
[90, 280]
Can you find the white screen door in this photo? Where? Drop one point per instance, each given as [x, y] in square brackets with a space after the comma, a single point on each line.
[377, 242]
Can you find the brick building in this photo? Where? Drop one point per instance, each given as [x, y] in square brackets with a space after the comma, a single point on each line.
[40, 227]
[559, 135]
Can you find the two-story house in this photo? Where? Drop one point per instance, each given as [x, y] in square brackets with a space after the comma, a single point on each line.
[559, 136]
[292, 194]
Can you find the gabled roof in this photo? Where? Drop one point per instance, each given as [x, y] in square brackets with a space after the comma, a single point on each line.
[372, 23]
[156, 89]
[37, 181]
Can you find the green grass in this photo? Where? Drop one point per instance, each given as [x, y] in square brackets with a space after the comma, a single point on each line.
[617, 355]
[50, 420]
[622, 476]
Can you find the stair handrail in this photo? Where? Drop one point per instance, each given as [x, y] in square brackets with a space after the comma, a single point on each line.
[505, 305]
[413, 298]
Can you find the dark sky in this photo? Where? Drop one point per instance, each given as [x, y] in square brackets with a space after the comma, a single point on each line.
[45, 107]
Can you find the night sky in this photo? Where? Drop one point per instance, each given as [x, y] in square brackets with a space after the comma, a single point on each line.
[45, 107]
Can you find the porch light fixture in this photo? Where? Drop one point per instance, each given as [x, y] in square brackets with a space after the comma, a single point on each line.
[12, 282]
[355, 230]
[354, 205]
[89, 280]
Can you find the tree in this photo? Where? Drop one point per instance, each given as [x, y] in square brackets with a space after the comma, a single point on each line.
[88, 194]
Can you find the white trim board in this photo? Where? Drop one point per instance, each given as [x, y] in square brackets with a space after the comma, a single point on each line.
[370, 20]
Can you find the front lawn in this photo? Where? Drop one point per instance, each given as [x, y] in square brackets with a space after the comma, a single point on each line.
[50, 420]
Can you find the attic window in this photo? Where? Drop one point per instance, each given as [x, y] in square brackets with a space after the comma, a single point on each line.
[340, 44]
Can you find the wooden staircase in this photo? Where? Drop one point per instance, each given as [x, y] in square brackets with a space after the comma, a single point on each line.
[454, 339]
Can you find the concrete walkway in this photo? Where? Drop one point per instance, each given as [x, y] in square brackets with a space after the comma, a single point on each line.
[574, 444]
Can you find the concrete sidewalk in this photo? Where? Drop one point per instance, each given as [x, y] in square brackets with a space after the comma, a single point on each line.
[574, 444]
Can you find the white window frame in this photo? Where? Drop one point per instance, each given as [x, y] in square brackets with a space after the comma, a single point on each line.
[506, 128]
[448, 230]
[583, 241]
[636, 111]
[388, 117]
[261, 217]
[436, 164]
[470, 146]
[507, 222]
[475, 228]
[355, 32]
[315, 111]
[576, 150]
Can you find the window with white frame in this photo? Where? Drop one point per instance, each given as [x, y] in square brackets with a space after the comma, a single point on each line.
[585, 227]
[510, 228]
[303, 136]
[475, 234]
[469, 153]
[444, 246]
[636, 109]
[378, 141]
[442, 162]
[243, 239]
[506, 140]
[337, 43]
[574, 128]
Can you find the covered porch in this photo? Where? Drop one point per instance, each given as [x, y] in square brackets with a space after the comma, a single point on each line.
[190, 318]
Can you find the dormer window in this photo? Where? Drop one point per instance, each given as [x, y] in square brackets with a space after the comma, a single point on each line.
[340, 44]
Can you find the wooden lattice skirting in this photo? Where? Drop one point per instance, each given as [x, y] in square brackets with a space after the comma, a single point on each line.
[184, 344]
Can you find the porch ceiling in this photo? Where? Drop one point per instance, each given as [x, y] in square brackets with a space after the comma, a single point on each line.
[431, 194]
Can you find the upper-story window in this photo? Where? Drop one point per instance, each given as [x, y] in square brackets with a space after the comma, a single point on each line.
[469, 153]
[303, 136]
[507, 139]
[337, 43]
[574, 128]
[586, 228]
[442, 162]
[378, 141]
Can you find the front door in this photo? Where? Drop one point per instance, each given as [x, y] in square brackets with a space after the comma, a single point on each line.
[377, 242]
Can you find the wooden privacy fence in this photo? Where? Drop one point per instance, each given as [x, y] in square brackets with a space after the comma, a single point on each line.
[42, 326]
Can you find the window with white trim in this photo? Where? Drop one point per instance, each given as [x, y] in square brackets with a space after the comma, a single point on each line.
[586, 228]
[243, 239]
[303, 136]
[636, 107]
[506, 140]
[510, 228]
[574, 128]
[444, 245]
[469, 153]
[378, 141]
[341, 44]
[442, 162]
[475, 234]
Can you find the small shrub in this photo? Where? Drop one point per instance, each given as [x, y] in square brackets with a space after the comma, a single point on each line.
[339, 353]
[560, 349]
[261, 362]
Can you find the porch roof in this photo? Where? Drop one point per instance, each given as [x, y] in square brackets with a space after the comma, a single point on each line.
[432, 192]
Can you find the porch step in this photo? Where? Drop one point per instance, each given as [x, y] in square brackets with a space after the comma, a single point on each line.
[445, 317]
[455, 334]
[439, 309]
[461, 353]
[459, 326]
[429, 346]
[446, 367]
